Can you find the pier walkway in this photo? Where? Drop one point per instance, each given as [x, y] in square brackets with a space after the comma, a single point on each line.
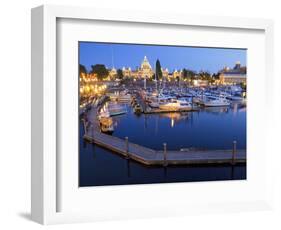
[149, 156]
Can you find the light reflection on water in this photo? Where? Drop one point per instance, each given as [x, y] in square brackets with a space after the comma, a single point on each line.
[210, 128]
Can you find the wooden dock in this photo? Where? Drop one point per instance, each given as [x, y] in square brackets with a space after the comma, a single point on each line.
[149, 156]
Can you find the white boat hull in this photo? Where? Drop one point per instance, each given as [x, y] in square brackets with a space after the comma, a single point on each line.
[215, 104]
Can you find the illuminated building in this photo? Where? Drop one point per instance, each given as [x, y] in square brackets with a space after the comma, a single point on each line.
[236, 75]
[145, 71]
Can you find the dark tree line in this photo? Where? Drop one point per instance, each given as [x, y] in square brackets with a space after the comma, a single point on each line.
[100, 70]
[120, 74]
[82, 69]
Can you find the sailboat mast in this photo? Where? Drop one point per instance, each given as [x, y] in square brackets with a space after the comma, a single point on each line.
[156, 79]
[112, 61]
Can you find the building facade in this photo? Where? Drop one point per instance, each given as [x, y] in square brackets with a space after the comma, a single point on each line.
[237, 75]
[126, 72]
[145, 71]
[112, 73]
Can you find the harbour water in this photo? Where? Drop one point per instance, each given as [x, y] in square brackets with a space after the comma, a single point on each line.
[208, 128]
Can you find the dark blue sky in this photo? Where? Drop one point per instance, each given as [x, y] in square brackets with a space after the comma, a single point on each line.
[171, 57]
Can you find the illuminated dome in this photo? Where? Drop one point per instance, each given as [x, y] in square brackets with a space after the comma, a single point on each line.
[145, 64]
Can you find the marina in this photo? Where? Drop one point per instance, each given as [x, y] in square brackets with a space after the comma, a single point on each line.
[198, 159]
[95, 133]
[151, 125]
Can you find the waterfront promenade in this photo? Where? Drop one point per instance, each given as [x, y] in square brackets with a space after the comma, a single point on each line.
[149, 156]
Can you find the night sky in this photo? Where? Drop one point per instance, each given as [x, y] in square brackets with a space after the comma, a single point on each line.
[171, 57]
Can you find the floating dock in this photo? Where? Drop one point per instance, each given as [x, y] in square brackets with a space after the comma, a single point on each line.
[148, 156]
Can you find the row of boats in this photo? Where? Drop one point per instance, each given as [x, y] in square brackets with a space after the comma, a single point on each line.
[165, 101]
[190, 100]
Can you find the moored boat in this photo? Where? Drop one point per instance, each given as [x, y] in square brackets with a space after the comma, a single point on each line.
[106, 125]
[115, 109]
[154, 104]
[217, 102]
[176, 105]
[125, 98]
[137, 109]
[104, 114]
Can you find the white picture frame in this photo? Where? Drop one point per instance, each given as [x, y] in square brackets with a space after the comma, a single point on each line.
[45, 162]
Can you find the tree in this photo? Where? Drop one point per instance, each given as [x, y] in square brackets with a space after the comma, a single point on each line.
[204, 75]
[216, 76]
[82, 69]
[158, 70]
[120, 74]
[100, 71]
[184, 73]
[188, 74]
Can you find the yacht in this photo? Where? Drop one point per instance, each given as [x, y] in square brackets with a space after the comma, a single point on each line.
[154, 104]
[220, 101]
[185, 105]
[125, 98]
[106, 125]
[115, 109]
[176, 105]
[104, 114]
[137, 109]
[173, 105]
[200, 99]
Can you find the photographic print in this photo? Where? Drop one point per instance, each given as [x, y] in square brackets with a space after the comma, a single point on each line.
[161, 113]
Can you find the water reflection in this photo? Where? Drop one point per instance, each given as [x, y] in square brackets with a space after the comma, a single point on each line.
[214, 127]
[210, 128]
[128, 168]
[101, 167]
[216, 110]
[174, 117]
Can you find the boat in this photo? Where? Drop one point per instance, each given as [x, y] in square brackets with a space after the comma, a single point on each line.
[115, 109]
[236, 98]
[124, 98]
[154, 104]
[184, 104]
[133, 102]
[220, 101]
[104, 114]
[173, 105]
[176, 105]
[137, 109]
[200, 99]
[165, 97]
[106, 125]
[112, 96]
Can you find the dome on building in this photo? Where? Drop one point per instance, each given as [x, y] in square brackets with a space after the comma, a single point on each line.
[145, 64]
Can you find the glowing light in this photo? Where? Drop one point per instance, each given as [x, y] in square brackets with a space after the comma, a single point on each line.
[172, 122]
